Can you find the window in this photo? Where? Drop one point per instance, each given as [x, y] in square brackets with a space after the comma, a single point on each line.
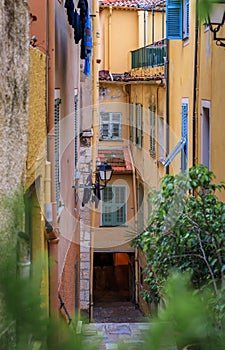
[152, 130]
[182, 145]
[206, 134]
[178, 19]
[114, 206]
[139, 125]
[184, 135]
[110, 126]
[57, 159]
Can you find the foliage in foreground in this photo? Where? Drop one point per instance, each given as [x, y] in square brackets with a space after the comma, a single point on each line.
[186, 231]
[184, 320]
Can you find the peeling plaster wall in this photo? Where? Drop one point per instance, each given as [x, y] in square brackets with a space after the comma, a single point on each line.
[14, 58]
[37, 117]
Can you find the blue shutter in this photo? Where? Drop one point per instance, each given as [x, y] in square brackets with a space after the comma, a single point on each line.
[174, 19]
[184, 132]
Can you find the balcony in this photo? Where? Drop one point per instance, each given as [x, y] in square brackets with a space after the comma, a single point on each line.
[149, 56]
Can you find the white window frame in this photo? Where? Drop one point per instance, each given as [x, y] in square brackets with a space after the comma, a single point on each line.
[110, 124]
[205, 105]
[186, 19]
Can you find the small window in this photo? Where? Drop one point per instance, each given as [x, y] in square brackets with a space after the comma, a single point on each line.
[114, 206]
[110, 126]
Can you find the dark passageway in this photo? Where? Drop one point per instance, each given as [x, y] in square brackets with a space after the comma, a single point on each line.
[114, 288]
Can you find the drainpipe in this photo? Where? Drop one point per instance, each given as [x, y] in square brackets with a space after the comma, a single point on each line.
[95, 124]
[144, 27]
[163, 11]
[110, 38]
[167, 104]
[194, 119]
[153, 25]
[135, 216]
[53, 242]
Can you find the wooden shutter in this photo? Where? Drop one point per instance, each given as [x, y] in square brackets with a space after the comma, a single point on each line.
[152, 131]
[120, 205]
[114, 206]
[134, 123]
[174, 19]
[139, 125]
[115, 125]
[105, 133]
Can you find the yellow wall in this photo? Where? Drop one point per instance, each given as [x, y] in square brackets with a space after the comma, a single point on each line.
[37, 116]
[120, 41]
[181, 84]
[211, 89]
[109, 238]
[36, 159]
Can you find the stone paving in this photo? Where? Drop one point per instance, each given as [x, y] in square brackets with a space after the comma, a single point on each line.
[110, 335]
[117, 324]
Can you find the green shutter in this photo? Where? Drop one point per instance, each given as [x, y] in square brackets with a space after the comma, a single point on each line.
[174, 19]
[114, 206]
[139, 125]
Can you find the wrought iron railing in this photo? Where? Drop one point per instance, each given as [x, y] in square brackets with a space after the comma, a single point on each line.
[149, 56]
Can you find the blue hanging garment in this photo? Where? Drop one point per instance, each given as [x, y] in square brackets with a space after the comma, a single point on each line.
[87, 45]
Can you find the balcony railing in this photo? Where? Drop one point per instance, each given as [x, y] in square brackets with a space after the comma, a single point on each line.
[149, 56]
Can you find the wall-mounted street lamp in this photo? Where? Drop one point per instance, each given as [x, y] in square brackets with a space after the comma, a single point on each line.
[216, 19]
[103, 173]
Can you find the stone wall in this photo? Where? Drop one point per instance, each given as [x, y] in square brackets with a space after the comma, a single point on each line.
[85, 232]
[14, 58]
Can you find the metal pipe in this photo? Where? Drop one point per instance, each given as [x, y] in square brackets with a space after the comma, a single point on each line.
[95, 123]
[195, 90]
[53, 244]
[153, 25]
[110, 38]
[167, 104]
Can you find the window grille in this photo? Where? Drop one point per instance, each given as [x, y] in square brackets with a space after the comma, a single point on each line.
[57, 159]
